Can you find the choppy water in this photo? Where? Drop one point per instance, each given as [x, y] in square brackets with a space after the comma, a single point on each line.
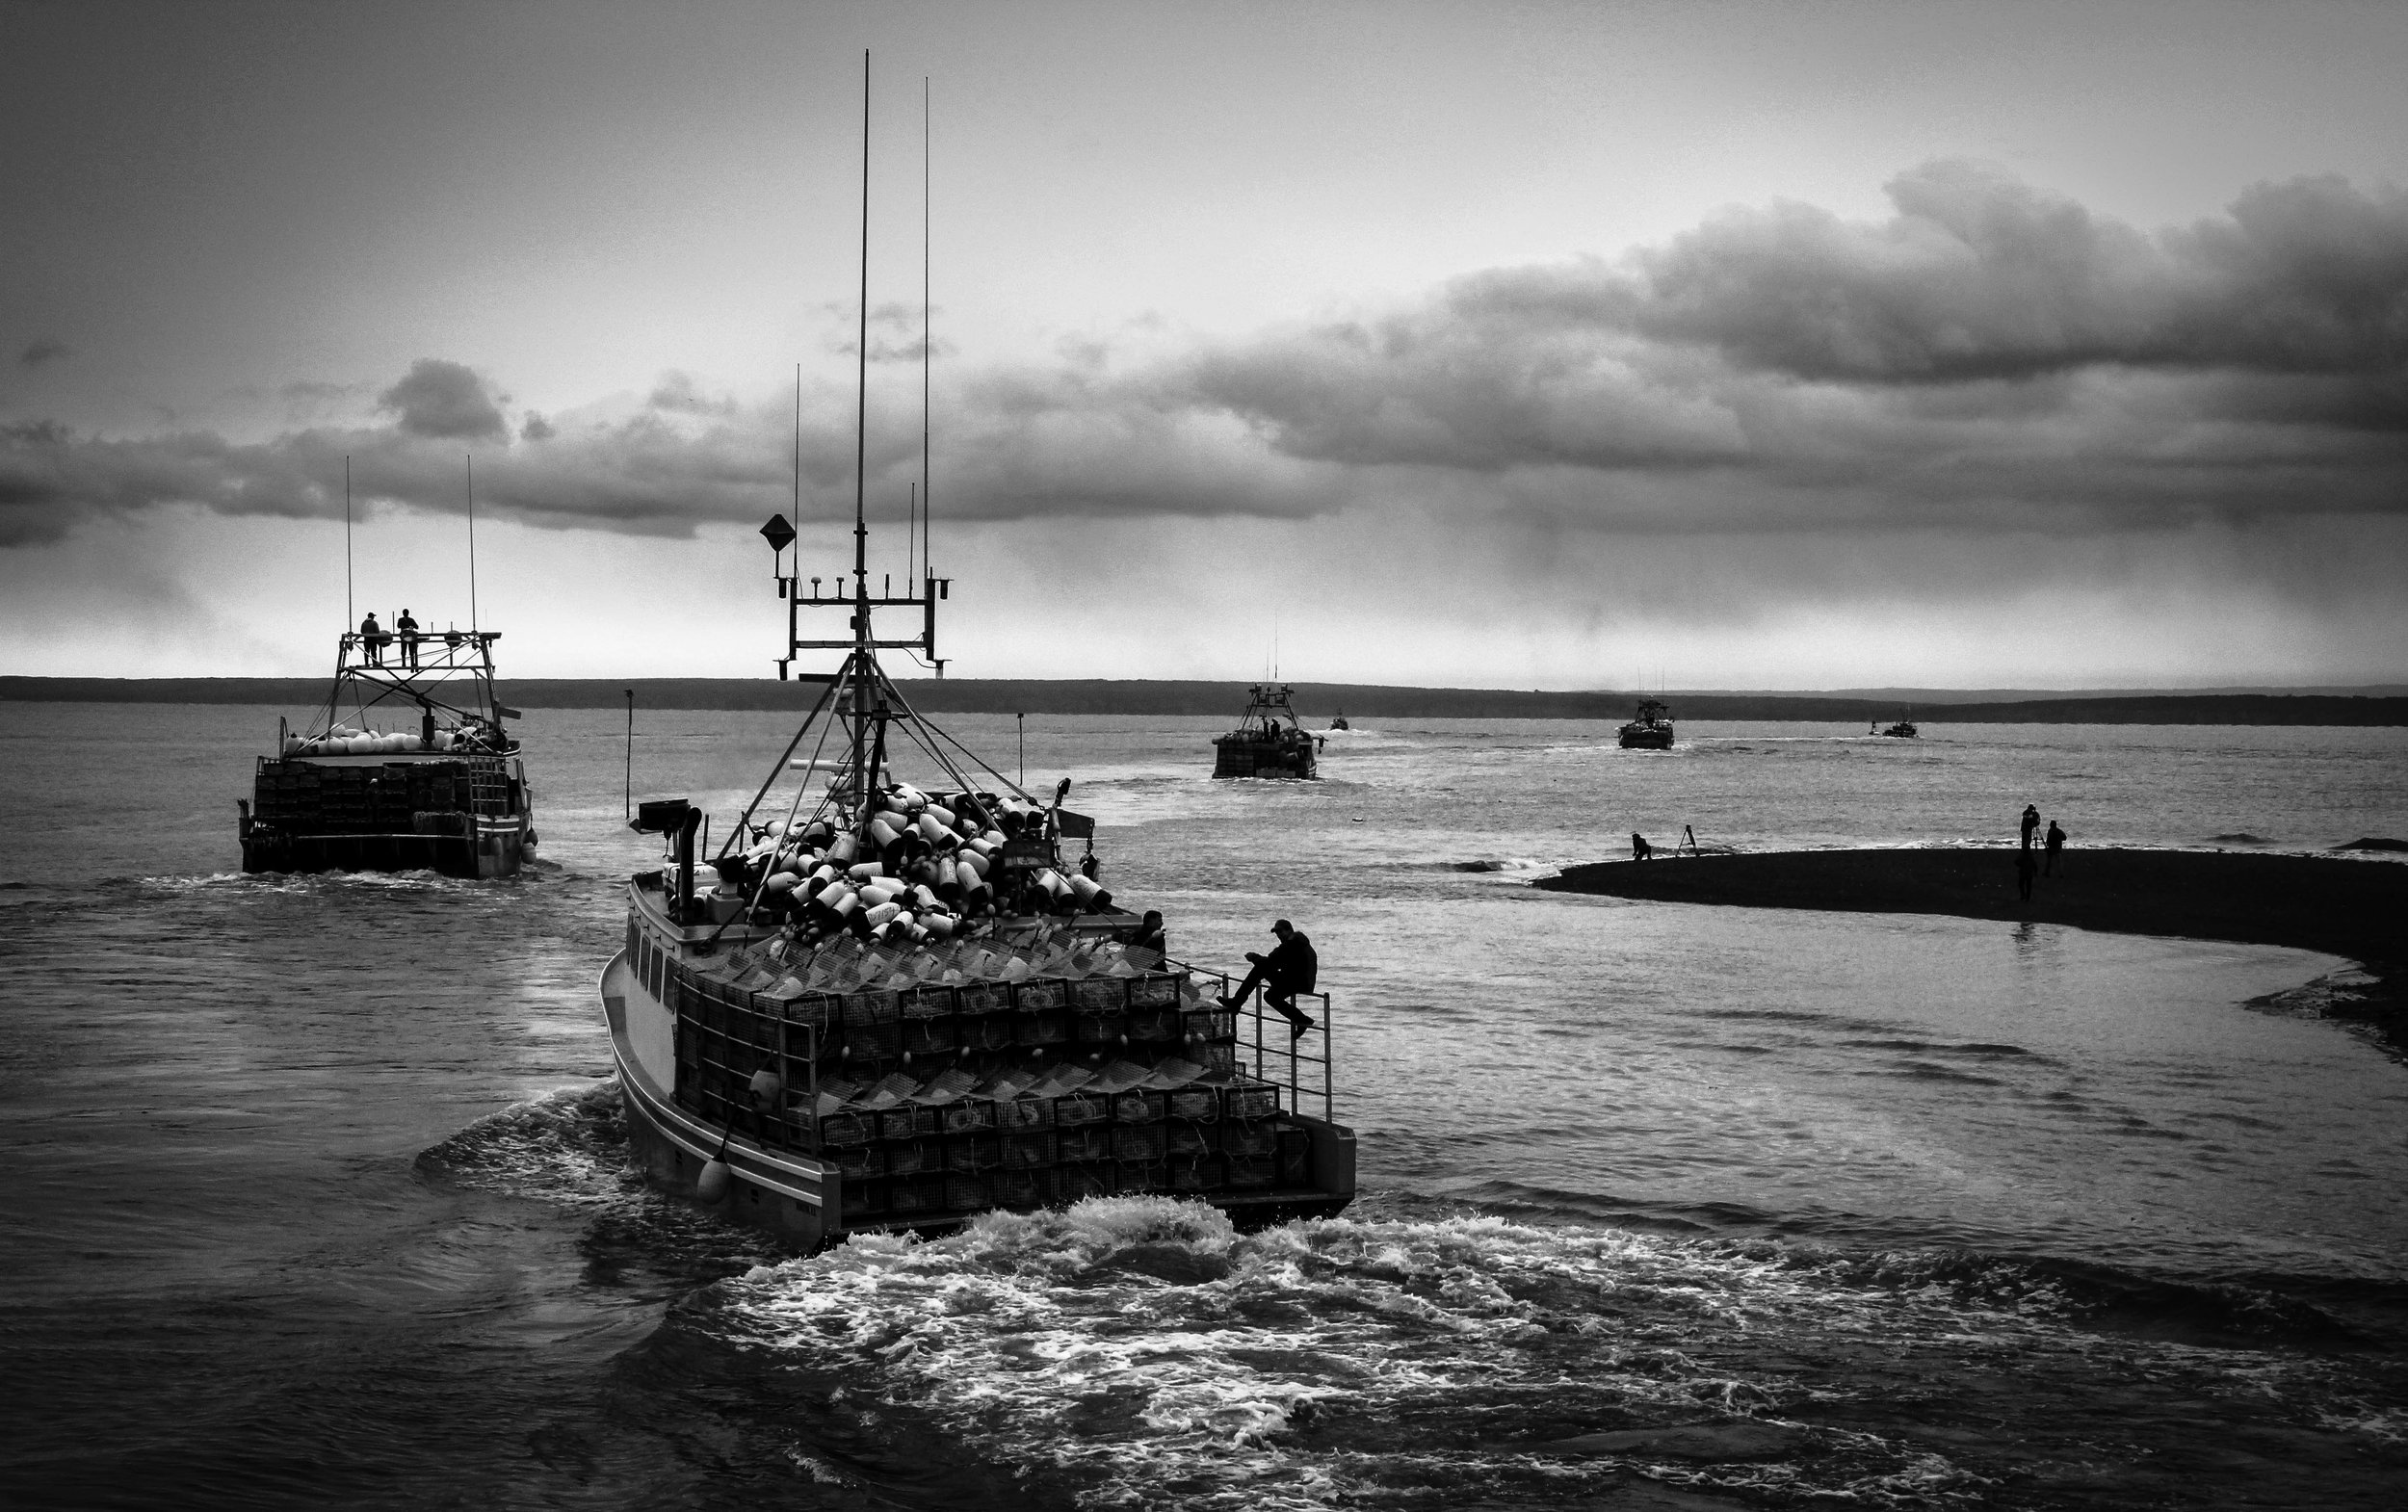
[312, 1188]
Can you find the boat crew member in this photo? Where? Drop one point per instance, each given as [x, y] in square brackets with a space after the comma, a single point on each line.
[408, 629]
[1641, 849]
[2055, 843]
[372, 639]
[1088, 863]
[2032, 822]
[1289, 968]
[1150, 935]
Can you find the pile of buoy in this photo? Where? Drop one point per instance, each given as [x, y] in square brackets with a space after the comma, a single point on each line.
[922, 868]
[843, 964]
[344, 740]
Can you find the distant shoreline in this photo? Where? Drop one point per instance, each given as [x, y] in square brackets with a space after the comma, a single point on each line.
[2337, 907]
[1317, 702]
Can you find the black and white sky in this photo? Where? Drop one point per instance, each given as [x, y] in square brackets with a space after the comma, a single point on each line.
[1566, 344]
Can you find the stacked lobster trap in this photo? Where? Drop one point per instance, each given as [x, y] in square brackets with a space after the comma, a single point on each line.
[932, 1099]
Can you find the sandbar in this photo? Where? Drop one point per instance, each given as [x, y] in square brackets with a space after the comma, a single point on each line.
[2351, 909]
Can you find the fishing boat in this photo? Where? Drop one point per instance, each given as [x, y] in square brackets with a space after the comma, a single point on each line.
[1339, 722]
[1651, 730]
[407, 767]
[1262, 745]
[891, 1002]
[1904, 730]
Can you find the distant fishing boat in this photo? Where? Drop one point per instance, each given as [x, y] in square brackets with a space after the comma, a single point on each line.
[442, 790]
[1261, 745]
[894, 1004]
[1339, 722]
[1903, 729]
[1651, 730]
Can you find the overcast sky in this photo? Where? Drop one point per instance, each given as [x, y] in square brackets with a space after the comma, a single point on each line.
[1750, 345]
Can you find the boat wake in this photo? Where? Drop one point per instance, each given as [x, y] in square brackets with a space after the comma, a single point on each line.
[1137, 1351]
[567, 1147]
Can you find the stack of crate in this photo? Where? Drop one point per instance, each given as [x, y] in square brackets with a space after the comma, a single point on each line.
[286, 796]
[906, 1150]
[1026, 1153]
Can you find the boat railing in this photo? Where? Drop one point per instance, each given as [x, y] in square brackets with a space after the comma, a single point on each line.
[489, 787]
[1291, 1065]
[419, 650]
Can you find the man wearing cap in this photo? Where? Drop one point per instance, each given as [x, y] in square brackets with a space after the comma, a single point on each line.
[1289, 968]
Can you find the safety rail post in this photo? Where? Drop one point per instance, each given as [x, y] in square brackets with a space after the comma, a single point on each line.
[1329, 1062]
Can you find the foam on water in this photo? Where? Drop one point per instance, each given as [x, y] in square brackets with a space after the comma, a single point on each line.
[1137, 1351]
[565, 1147]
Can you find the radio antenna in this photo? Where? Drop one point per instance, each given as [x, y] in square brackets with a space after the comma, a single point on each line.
[472, 542]
[928, 560]
[346, 543]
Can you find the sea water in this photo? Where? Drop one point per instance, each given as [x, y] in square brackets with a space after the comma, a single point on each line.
[314, 1192]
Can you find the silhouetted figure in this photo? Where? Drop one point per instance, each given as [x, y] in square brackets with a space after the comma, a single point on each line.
[1087, 865]
[2031, 823]
[1150, 935]
[408, 631]
[2025, 866]
[1641, 849]
[1289, 968]
[2055, 843]
[372, 639]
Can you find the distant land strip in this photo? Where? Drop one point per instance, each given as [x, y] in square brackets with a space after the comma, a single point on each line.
[1317, 702]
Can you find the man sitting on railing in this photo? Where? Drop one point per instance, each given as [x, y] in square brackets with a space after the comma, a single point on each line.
[1289, 968]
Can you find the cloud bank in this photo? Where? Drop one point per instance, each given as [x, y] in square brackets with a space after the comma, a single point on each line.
[1989, 357]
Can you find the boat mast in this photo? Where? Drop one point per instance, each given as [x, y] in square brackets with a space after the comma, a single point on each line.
[868, 707]
[864, 654]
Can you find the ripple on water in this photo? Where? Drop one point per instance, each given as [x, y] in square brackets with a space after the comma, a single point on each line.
[1136, 1351]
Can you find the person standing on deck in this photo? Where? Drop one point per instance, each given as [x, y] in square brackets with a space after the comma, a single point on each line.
[2031, 823]
[1292, 967]
[372, 640]
[408, 629]
[2055, 843]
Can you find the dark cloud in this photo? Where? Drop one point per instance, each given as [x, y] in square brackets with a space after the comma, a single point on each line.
[43, 349]
[1989, 358]
[1979, 276]
[445, 400]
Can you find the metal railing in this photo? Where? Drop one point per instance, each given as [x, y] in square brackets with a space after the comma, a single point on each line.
[1271, 1059]
[489, 787]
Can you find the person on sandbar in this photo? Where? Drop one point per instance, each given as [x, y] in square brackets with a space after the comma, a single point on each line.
[1289, 968]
